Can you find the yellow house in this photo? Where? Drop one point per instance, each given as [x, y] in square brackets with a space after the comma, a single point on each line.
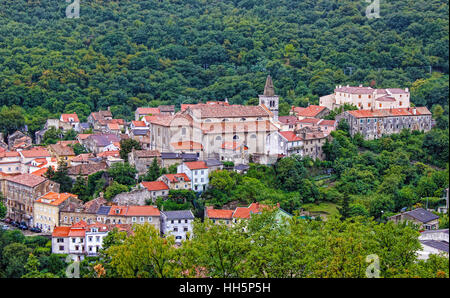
[62, 152]
[47, 209]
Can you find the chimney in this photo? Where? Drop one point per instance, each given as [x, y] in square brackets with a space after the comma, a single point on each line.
[100, 194]
[360, 85]
[414, 110]
[406, 90]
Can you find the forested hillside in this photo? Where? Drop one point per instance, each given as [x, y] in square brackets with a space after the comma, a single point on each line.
[131, 53]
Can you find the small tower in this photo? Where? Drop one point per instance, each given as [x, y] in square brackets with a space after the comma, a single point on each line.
[269, 99]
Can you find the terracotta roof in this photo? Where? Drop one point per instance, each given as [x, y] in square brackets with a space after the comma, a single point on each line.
[138, 123]
[196, 165]
[113, 126]
[155, 185]
[40, 172]
[61, 232]
[29, 180]
[118, 210]
[83, 136]
[290, 136]
[9, 154]
[310, 111]
[310, 120]
[143, 211]
[288, 119]
[35, 152]
[70, 142]
[147, 111]
[81, 232]
[147, 153]
[62, 150]
[175, 177]
[187, 145]
[66, 117]
[161, 119]
[114, 153]
[87, 169]
[219, 213]
[328, 122]
[82, 157]
[389, 112]
[54, 198]
[228, 111]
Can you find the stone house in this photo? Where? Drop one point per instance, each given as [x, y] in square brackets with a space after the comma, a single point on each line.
[426, 220]
[373, 124]
[142, 159]
[21, 192]
[176, 181]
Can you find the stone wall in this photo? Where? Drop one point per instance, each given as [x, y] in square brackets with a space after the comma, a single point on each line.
[135, 197]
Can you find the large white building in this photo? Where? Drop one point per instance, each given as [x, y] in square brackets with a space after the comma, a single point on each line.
[366, 98]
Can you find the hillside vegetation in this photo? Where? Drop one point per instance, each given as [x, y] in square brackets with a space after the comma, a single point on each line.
[131, 53]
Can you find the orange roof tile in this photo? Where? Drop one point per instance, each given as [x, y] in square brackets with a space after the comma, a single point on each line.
[147, 111]
[219, 213]
[143, 211]
[311, 111]
[54, 198]
[66, 117]
[290, 136]
[155, 185]
[175, 177]
[196, 165]
[61, 232]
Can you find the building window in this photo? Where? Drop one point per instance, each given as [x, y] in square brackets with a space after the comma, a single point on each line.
[150, 219]
[141, 219]
[133, 219]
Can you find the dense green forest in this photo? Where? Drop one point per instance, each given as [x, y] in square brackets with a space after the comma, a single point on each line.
[131, 53]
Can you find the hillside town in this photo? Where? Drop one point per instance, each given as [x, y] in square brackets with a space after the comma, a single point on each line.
[194, 142]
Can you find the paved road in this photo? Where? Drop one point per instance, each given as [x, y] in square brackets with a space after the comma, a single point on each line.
[25, 232]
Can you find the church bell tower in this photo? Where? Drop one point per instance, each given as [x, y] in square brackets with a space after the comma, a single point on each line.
[269, 99]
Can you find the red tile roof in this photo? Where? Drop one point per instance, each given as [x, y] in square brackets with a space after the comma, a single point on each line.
[66, 117]
[40, 172]
[310, 120]
[143, 211]
[328, 122]
[155, 185]
[54, 198]
[138, 123]
[35, 152]
[290, 136]
[61, 232]
[389, 112]
[219, 213]
[147, 111]
[9, 154]
[29, 180]
[196, 165]
[311, 111]
[175, 177]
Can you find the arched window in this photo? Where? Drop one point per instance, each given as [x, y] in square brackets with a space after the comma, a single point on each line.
[235, 137]
[253, 136]
[208, 120]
